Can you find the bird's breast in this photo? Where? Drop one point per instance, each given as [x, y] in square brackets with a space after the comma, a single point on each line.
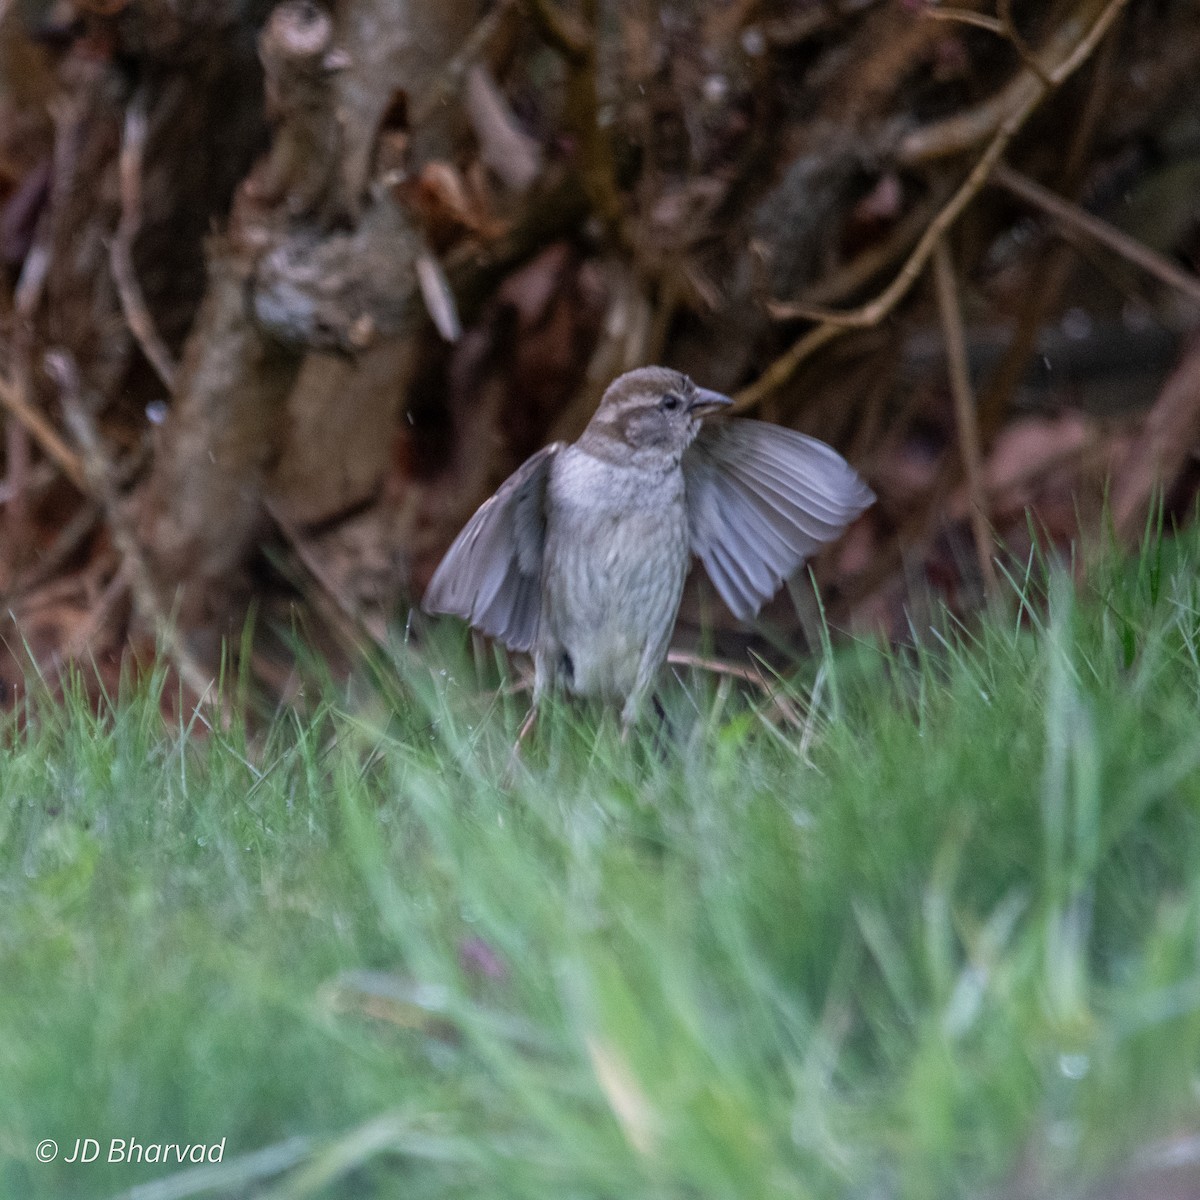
[615, 561]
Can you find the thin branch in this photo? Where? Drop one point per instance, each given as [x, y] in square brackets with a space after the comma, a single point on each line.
[120, 250]
[60, 366]
[1077, 220]
[101, 610]
[699, 662]
[833, 323]
[871, 313]
[46, 436]
[752, 675]
[1001, 25]
[17, 474]
[964, 409]
[1069, 46]
[859, 271]
[964, 16]
[346, 621]
[67, 541]
[41, 476]
[1054, 270]
[452, 73]
[27, 295]
[784, 367]
[1022, 47]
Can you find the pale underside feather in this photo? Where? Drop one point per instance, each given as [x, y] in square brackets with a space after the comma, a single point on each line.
[491, 575]
[761, 500]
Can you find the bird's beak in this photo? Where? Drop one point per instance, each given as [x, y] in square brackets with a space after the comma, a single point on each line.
[706, 403]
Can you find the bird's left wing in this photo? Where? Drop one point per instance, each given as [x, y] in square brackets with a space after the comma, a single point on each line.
[491, 575]
[761, 499]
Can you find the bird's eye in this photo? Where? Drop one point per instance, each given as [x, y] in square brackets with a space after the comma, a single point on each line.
[671, 402]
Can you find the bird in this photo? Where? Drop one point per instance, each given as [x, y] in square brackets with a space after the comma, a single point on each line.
[580, 556]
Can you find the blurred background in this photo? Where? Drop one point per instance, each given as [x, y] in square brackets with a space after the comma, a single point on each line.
[287, 290]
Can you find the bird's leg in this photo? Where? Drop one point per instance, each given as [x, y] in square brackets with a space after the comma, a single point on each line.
[664, 731]
[514, 756]
[526, 727]
[647, 670]
[540, 676]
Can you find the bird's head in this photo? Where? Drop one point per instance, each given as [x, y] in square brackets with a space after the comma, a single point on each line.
[652, 411]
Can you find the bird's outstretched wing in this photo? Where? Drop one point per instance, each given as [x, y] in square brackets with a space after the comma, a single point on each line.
[491, 575]
[761, 499]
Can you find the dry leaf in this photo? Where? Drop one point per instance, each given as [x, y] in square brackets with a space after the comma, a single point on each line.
[503, 144]
[439, 299]
[635, 1114]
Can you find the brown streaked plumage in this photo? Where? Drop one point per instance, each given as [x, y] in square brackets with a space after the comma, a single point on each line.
[581, 554]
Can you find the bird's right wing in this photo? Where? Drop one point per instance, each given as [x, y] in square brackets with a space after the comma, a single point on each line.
[761, 499]
[491, 575]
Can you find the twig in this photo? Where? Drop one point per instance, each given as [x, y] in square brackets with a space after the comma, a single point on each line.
[101, 610]
[14, 392]
[964, 408]
[1002, 25]
[833, 323]
[728, 670]
[452, 73]
[861, 269]
[66, 542]
[1022, 47]
[41, 476]
[27, 296]
[784, 367]
[1068, 46]
[100, 477]
[1076, 219]
[684, 658]
[120, 250]
[346, 621]
[44, 434]
[1054, 271]
[964, 16]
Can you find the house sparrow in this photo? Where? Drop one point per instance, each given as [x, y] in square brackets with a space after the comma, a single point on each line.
[581, 555]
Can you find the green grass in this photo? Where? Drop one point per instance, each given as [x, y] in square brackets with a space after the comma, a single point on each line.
[946, 932]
